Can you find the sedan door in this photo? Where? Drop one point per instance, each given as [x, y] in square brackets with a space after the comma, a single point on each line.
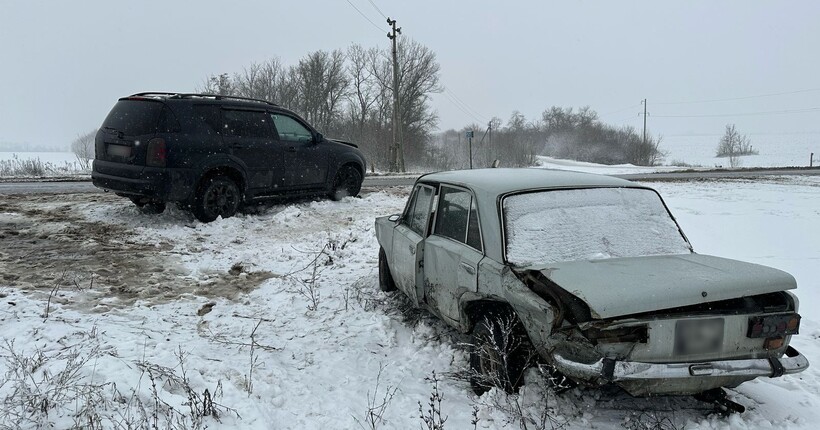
[452, 252]
[408, 243]
[251, 139]
[306, 158]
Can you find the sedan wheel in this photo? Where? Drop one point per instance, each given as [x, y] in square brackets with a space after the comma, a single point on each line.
[386, 282]
[500, 354]
[219, 196]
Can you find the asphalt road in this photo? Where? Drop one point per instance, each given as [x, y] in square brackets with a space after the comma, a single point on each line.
[67, 187]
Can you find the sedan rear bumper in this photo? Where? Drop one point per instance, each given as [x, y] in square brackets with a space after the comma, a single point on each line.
[680, 378]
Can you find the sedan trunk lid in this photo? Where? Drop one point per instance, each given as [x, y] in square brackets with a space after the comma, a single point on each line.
[625, 286]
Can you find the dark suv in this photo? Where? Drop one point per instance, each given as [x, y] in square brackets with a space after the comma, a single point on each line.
[213, 153]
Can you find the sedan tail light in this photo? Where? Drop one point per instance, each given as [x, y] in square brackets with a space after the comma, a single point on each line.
[157, 153]
[773, 326]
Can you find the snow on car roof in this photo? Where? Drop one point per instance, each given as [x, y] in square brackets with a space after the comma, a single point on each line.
[503, 181]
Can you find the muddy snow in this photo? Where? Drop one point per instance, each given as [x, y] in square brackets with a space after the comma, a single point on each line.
[113, 317]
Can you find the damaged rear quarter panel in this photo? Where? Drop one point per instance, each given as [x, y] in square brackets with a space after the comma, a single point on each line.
[497, 282]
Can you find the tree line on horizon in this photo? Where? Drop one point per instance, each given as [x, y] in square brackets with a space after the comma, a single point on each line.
[347, 94]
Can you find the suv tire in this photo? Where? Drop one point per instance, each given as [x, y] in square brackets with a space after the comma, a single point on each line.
[386, 282]
[217, 196]
[348, 183]
[500, 353]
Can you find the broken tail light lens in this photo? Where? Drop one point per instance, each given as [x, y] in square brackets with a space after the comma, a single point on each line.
[157, 153]
[773, 326]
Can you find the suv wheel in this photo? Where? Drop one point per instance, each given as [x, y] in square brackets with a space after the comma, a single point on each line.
[386, 282]
[218, 196]
[500, 353]
[348, 183]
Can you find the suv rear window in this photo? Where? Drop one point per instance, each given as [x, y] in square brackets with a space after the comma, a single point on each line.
[134, 117]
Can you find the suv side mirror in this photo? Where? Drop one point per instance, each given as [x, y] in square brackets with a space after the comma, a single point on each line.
[394, 218]
[318, 138]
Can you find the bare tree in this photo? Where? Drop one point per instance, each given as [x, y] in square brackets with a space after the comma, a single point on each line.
[218, 84]
[733, 145]
[83, 148]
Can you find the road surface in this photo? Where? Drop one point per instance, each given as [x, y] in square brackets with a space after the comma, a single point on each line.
[67, 187]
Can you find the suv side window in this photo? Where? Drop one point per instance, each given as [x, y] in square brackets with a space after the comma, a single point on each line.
[457, 217]
[418, 210]
[208, 115]
[290, 129]
[246, 123]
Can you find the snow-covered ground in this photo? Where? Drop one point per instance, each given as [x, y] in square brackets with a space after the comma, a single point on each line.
[317, 358]
[602, 169]
[774, 150]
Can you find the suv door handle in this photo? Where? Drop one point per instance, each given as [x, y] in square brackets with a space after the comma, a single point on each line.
[412, 249]
[469, 269]
[237, 145]
[291, 149]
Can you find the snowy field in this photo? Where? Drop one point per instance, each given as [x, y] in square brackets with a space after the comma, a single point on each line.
[775, 150]
[129, 318]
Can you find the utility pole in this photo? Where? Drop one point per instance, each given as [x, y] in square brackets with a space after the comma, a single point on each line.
[490, 131]
[470, 146]
[644, 121]
[396, 151]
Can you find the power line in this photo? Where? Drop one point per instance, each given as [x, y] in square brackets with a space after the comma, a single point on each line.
[620, 110]
[807, 90]
[377, 9]
[464, 103]
[365, 16]
[762, 133]
[773, 112]
[466, 112]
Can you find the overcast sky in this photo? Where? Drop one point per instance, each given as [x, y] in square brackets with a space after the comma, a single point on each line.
[63, 64]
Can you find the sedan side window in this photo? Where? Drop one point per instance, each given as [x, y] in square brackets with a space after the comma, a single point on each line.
[418, 210]
[290, 129]
[457, 217]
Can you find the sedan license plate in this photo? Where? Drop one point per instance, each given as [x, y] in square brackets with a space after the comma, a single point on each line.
[119, 150]
[700, 336]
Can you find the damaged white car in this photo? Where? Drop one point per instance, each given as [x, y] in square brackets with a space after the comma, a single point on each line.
[595, 275]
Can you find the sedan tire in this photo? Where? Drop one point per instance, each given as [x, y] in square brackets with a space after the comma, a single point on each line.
[386, 282]
[500, 353]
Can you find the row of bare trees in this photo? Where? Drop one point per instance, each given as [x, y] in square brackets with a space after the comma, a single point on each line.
[560, 132]
[347, 94]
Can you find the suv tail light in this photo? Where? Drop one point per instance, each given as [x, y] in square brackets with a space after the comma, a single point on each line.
[157, 153]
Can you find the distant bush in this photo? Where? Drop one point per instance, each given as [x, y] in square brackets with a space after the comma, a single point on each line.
[734, 145]
[561, 133]
[36, 168]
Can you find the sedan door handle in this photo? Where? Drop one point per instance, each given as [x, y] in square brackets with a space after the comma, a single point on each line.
[469, 269]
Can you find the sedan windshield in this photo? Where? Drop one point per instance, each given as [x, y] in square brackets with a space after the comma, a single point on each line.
[588, 224]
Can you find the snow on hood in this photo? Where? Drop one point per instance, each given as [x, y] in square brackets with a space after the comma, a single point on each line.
[625, 286]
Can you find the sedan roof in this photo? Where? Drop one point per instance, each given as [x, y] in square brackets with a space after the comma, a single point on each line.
[502, 181]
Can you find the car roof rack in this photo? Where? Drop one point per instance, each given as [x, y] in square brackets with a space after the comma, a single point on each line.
[201, 95]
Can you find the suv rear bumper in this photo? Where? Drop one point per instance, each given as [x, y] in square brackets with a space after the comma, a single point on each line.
[159, 183]
[681, 378]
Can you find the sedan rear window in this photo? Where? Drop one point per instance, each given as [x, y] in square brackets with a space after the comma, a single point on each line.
[587, 224]
[134, 117]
